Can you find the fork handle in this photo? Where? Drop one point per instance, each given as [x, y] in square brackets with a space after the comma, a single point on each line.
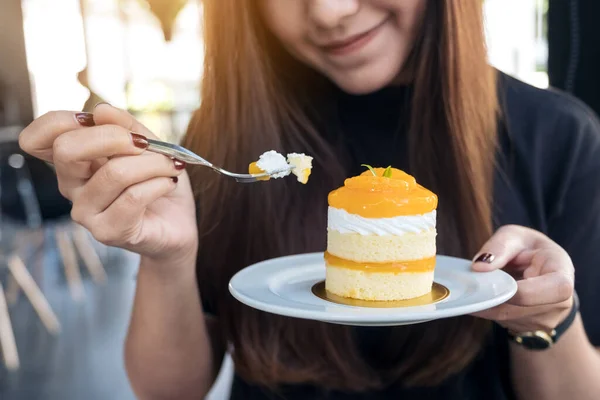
[172, 151]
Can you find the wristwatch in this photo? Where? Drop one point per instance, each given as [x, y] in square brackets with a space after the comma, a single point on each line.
[542, 340]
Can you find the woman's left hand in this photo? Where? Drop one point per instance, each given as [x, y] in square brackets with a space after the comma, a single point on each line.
[544, 273]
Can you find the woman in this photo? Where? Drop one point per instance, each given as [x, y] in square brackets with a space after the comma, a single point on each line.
[382, 82]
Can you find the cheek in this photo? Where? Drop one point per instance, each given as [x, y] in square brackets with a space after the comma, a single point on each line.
[284, 20]
[287, 22]
[414, 14]
[409, 13]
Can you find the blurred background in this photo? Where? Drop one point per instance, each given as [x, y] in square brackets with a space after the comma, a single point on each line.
[64, 298]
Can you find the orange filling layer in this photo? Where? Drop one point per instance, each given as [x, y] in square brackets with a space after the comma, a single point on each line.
[381, 197]
[255, 170]
[424, 265]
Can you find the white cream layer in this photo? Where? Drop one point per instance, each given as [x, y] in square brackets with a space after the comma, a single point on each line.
[344, 222]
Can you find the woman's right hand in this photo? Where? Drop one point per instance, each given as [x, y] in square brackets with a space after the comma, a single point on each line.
[126, 197]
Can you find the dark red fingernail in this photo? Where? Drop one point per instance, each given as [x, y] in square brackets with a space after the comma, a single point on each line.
[85, 119]
[175, 179]
[485, 258]
[101, 103]
[139, 141]
[179, 165]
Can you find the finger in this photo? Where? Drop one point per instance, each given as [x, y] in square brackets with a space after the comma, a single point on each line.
[548, 277]
[105, 114]
[522, 319]
[114, 177]
[547, 289]
[504, 246]
[548, 260]
[533, 262]
[74, 151]
[120, 224]
[505, 312]
[530, 322]
[37, 138]
[98, 142]
[511, 312]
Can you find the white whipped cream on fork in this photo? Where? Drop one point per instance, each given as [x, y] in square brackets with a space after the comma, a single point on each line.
[277, 166]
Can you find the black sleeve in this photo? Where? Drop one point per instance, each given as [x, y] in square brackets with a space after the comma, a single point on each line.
[574, 219]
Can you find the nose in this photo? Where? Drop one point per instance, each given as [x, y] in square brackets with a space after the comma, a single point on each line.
[330, 13]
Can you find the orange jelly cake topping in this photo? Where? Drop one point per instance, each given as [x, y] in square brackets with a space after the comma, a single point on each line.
[422, 265]
[254, 169]
[383, 193]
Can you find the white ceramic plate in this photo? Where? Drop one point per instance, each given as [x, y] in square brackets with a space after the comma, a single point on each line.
[284, 286]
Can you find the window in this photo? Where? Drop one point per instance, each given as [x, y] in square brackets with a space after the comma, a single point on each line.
[516, 35]
[116, 49]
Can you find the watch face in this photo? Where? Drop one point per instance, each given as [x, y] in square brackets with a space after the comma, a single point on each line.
[535, 340]
[534, 343]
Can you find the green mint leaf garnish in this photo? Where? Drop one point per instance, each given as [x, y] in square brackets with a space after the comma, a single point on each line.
[388, 172]
[370, 169]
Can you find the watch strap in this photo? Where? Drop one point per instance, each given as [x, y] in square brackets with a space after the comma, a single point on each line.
[540, 340]
[567, 322]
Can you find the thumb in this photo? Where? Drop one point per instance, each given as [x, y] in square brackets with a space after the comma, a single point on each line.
[503, 247]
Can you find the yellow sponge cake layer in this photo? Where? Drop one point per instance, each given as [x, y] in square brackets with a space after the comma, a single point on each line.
[379, 282]
[377, 286]
[380, 249]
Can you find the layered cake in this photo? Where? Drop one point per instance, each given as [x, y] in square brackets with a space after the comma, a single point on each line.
[381, 237]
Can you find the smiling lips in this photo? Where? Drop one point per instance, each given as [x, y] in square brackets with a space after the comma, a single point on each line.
[353, 43]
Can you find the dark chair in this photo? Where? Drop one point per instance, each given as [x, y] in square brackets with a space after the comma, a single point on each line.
[38, 187]
[30, 207]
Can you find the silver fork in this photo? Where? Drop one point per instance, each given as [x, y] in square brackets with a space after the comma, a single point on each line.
[189, 157]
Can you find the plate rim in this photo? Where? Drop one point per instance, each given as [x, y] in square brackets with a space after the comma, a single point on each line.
[375, 318]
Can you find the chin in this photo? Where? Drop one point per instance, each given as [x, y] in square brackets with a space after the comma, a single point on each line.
[365, 80]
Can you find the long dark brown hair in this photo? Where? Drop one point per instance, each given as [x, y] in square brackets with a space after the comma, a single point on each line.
[256, 98]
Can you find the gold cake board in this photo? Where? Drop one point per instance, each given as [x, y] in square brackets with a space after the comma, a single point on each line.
[438, 293]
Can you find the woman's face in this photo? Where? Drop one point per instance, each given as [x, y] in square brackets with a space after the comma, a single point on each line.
[361, 45]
